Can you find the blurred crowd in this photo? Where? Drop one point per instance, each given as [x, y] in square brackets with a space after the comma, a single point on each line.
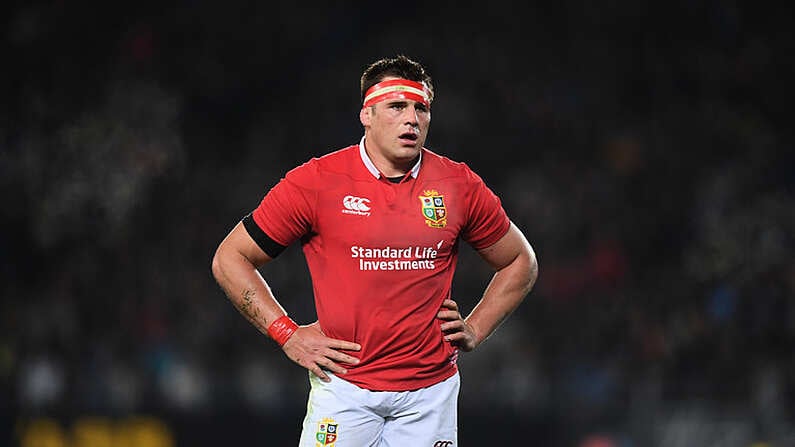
[646, 152]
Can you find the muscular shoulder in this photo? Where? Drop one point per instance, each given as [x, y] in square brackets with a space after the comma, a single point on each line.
[442, 167]
[316, 170]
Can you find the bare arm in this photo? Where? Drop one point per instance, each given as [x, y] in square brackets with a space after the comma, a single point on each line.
[516, 270]
[235, 267]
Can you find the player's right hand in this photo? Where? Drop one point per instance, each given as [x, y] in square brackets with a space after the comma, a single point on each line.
[310, 348]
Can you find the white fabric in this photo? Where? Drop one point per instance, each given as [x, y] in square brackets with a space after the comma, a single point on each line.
[356, 417]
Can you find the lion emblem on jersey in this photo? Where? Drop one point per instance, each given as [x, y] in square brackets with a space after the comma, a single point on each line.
[433, 209]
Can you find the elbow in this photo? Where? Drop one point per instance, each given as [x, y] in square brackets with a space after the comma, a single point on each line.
[216, 265]
[531, 270]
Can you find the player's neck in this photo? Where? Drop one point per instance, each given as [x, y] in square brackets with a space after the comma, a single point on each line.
[388, 167]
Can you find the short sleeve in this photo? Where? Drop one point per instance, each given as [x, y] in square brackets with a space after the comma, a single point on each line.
[487, 221]
[286, 213]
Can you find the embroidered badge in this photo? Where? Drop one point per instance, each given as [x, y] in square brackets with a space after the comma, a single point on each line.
[326, 434]
[433, 209]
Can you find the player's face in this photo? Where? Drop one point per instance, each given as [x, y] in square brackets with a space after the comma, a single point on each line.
[396, 129]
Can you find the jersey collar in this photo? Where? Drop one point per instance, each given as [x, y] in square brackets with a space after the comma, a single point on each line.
[415, 171]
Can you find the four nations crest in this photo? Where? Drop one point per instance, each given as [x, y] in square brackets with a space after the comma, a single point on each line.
[326, 434]
[433, 209]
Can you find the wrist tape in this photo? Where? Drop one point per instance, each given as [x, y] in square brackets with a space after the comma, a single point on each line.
[282, 329]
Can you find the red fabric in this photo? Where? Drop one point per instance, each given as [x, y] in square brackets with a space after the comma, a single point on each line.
[380, 267]
[282, 329]
[391, 89]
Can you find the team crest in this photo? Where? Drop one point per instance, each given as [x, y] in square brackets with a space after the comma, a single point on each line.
[326, 434]
[433, 209]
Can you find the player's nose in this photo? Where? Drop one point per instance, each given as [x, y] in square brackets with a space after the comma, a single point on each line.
[411, 116]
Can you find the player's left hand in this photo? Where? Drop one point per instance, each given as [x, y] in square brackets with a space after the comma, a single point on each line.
[456, 330]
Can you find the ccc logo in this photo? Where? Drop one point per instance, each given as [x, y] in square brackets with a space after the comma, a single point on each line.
[443, 444]
[357, 204]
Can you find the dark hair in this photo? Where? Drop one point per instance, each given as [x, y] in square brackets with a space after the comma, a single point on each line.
[400, 67]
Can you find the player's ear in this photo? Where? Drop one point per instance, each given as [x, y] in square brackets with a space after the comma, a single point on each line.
[365, 116]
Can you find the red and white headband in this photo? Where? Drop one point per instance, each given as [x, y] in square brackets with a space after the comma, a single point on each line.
[397, 89]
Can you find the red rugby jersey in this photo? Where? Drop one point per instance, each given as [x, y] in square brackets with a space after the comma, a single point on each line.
[382, 255]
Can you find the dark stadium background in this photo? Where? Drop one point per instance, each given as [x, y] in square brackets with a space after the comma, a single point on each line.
[646, 149]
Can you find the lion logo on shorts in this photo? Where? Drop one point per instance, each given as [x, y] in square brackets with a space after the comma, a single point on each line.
[326, 434]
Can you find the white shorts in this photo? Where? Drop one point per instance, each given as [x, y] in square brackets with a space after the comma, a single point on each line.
[340, 414]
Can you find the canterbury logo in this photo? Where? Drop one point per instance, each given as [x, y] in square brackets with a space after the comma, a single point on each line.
[442, 443]
[356, 205]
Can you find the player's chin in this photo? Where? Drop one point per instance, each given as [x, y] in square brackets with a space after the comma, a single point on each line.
[410, 146]
[406, 152]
